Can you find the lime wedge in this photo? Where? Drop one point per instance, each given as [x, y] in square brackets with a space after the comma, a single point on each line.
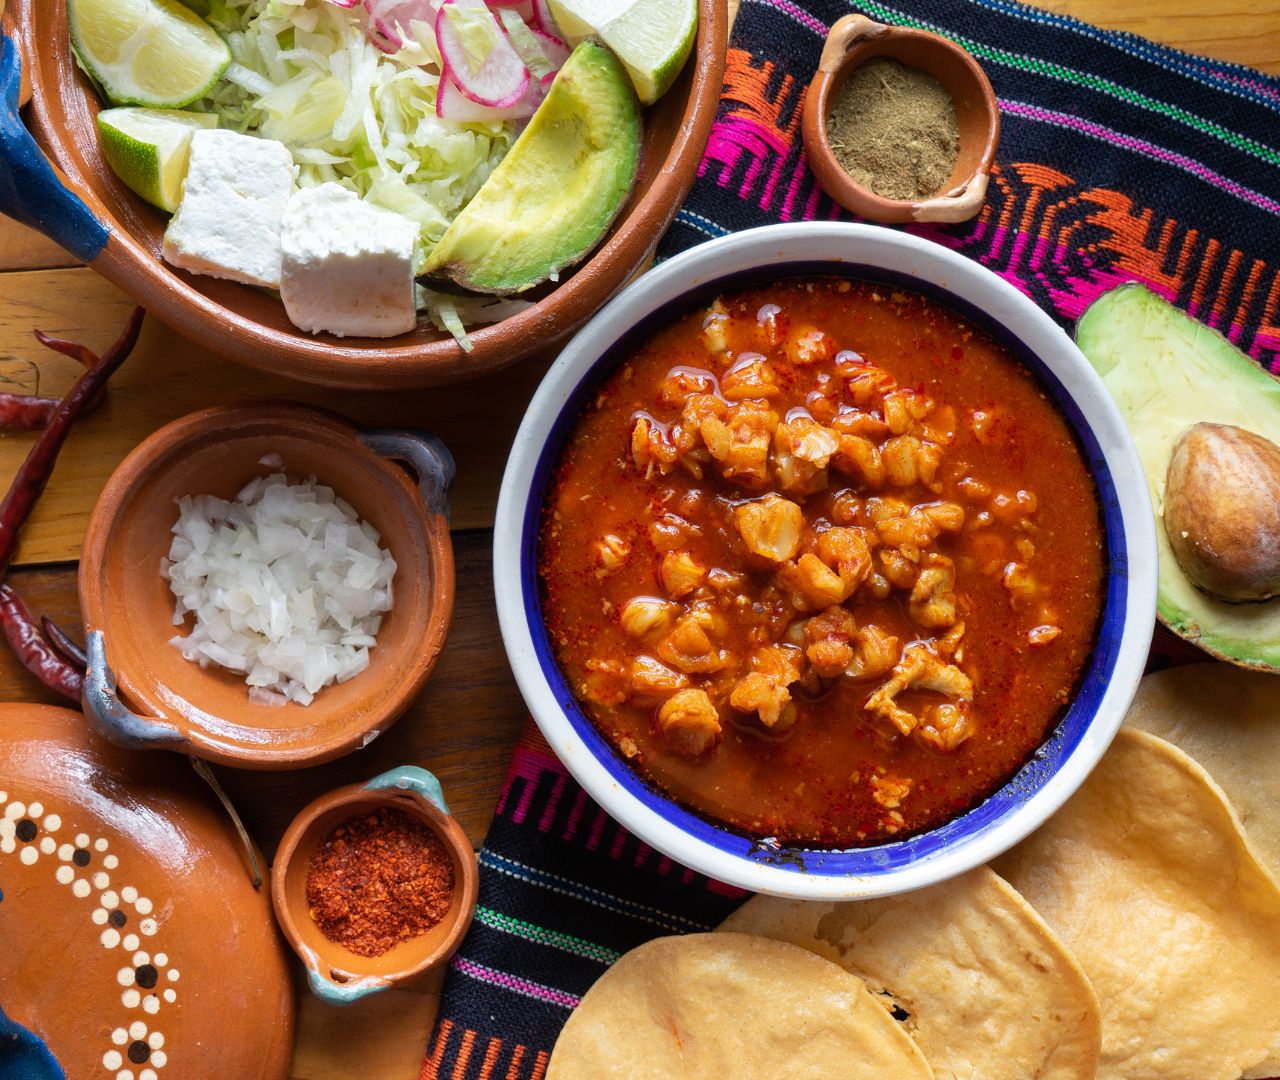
[653, 38]
[146, 52]
[148, 149]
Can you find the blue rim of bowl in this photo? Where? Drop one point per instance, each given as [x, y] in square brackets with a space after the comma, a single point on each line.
[1046, 760]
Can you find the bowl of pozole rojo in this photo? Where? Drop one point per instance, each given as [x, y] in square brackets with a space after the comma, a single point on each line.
[824, 561]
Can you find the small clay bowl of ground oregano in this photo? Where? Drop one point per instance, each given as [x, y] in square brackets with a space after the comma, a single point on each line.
[900, 125]
[374, 884]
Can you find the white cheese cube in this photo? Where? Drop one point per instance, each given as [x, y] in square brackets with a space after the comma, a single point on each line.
[348, 267]
[228, 223]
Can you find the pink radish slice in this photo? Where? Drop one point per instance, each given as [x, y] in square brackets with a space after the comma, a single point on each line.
[557, 51]
[453, 105]
[387, 16]
[347, 4]
[523, 8]
[543, 19]
[528, 43]
[381, 42]
[499, 78]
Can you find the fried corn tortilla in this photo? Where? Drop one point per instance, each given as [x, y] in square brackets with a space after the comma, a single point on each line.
[1148, 879]
[968, 967]
[1228, 720]
[731, 1007]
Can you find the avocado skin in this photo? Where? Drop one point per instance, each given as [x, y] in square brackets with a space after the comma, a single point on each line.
[1167, 372]
[557, 191]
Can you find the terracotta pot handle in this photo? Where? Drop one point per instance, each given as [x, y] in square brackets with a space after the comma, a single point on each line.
[30, 190]
[110, 717]
[417, 781]
[958, 207]
[846, 32]
[427, 457]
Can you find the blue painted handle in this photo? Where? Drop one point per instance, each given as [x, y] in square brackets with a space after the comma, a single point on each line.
[425, 454]
[411, 778]
[30, 191]
[109, 716]
[334, 993]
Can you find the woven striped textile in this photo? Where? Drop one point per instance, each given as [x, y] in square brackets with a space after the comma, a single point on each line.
[1119, 160]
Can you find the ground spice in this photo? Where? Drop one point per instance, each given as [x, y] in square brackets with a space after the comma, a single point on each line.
[893, 129]
[377, 880]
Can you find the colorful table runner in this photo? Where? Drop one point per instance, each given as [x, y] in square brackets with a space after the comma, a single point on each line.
[1119, 160]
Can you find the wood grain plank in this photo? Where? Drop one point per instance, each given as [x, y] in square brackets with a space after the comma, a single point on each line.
[169, 376]
[1239, 31]
[25, 249]
[380, 1037]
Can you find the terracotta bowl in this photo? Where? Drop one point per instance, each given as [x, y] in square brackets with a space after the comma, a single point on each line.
[102, 222]
[336, 974]
[140, 691]
[135, 943]
[855, 39]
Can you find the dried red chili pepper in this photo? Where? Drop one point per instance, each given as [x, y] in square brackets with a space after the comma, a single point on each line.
[63, 643]
[26, 639]
[31, 412]
[25, 412]
[25, 636]
[34, 473]
[379, 879]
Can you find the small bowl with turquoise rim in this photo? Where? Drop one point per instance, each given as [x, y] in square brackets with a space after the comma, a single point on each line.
[335, 974]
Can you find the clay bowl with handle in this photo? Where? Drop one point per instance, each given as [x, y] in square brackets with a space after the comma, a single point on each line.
[853, 41]
[335, 974]
[141, 692]
[80, 203]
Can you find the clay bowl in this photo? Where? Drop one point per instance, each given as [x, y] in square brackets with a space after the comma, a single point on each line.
[337, 975]
[102, 222]
[140, 691]
[135, 943]
[855, 39]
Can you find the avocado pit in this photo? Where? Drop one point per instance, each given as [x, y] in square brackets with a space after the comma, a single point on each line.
[1222, 511]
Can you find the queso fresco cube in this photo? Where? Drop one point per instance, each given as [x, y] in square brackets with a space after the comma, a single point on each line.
[347, 267]
[228, 223]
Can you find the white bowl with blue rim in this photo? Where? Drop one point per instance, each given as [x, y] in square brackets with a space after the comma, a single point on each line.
[1075, 745]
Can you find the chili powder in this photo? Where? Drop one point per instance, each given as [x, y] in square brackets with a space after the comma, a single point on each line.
[377, 880]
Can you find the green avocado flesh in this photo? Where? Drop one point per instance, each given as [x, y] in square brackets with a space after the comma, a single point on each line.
[557, 191]
[1166, 372]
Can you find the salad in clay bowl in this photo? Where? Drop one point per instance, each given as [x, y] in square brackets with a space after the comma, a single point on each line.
[378, 161]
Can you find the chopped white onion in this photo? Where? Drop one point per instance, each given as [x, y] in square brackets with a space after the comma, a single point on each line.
[287, 585]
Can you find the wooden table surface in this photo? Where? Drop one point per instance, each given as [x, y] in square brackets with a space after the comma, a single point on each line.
[464, 724]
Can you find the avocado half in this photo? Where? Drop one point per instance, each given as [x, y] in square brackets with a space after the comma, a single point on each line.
[558, 189]
[1166, 372]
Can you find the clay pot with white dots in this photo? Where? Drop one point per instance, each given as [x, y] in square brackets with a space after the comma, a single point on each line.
[134, 939]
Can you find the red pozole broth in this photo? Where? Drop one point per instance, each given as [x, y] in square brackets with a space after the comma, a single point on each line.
[822, 562]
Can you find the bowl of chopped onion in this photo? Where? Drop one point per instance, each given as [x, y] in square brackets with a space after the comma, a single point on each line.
[266, 586]
[352, 105]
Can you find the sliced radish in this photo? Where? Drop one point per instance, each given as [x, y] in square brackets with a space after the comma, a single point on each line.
[347, 4]
[556, 50]
[388, 17]
[453, 105]
[543, 19]
[527, 43]
[478, 55]
[523, 8]
[380, 41]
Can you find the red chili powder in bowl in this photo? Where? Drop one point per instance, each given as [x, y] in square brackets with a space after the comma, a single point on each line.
[379, 879]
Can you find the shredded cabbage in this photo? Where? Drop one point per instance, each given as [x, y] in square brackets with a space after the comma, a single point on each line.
[305, 73]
